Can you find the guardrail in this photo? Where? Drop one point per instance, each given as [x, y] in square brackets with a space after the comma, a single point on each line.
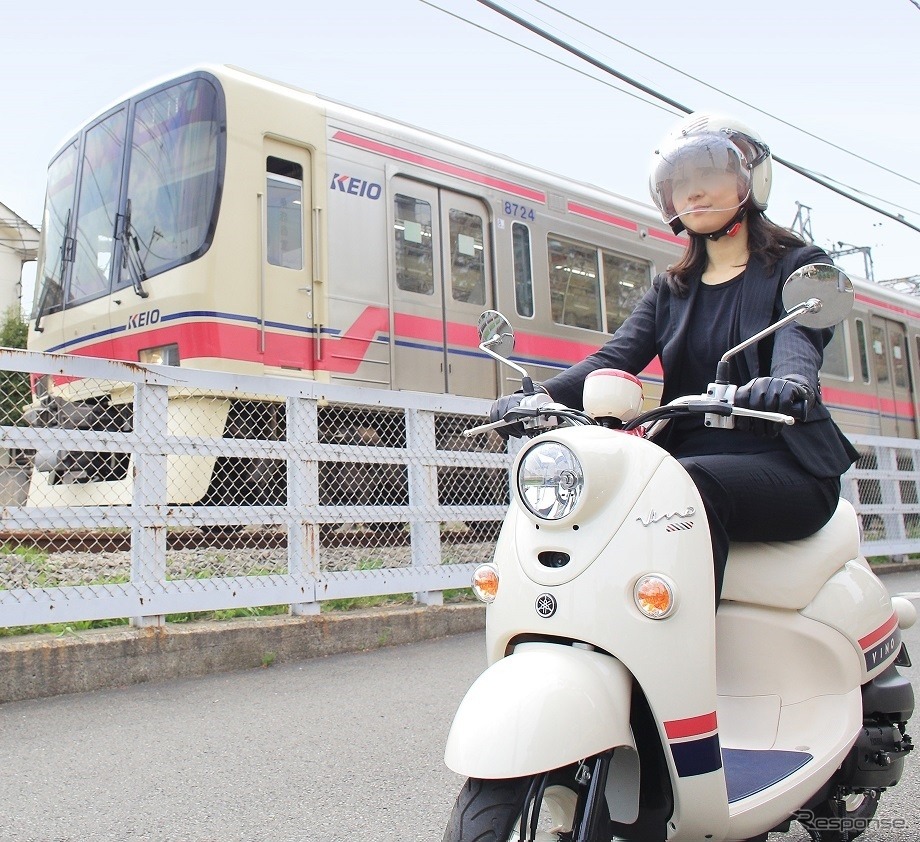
[230, 491]
[883, 488]
[311, 492]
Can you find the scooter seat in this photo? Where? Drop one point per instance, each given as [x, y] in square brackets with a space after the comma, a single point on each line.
[788, 574]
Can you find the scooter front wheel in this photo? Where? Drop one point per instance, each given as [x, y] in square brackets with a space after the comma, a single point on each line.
[491, 810]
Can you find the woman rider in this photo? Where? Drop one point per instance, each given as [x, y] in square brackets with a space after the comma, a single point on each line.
[711, 177]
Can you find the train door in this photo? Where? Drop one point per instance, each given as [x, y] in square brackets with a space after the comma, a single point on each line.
[892, 377]
[442, 281]
[287, 270]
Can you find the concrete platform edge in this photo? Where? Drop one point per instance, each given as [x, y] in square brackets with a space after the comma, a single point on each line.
[42, 665]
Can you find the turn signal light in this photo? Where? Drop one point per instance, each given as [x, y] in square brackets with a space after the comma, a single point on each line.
[485, 583]
[654, 597]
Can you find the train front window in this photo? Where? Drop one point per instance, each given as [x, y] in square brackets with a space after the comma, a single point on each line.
[55, 249]
[97, 207]
[467, 263]
[174, 175]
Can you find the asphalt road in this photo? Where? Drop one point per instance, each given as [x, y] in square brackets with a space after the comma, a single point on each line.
[342, 748]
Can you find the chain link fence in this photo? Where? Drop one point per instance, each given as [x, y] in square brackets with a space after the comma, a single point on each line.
[883, 488]
[141, 491]
[134, 491]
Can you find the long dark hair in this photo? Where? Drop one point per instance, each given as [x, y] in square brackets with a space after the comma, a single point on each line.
[766, 240]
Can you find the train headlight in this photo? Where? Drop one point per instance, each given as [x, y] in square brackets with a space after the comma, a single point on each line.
[161, 355]
[550, 480]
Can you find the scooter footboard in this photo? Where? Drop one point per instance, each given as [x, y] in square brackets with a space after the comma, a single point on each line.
[542, 707]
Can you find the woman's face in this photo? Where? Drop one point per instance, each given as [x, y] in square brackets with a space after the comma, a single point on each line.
[705, 199]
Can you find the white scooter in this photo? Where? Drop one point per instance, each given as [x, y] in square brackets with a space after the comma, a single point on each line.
[617, 704]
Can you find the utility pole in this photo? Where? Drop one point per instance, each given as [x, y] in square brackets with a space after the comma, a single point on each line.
[843, 249]
[802, 222]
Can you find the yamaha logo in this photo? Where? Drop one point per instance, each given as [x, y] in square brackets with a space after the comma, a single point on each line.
[546, 605]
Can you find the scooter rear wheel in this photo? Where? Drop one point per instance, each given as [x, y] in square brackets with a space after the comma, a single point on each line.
[490, 810]
[836, 821]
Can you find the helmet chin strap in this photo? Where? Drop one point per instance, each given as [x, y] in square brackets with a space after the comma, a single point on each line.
[732, 228]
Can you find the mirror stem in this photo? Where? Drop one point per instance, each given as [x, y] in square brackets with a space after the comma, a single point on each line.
[810, 306]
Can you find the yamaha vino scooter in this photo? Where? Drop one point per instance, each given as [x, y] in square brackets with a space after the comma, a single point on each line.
[617, 705]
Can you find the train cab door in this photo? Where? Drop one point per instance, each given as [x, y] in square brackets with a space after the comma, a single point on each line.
[892, 377]
[442, 281]
[286, 294]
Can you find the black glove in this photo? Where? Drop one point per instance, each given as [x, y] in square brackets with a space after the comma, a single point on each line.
[503, 406]
[790, 396]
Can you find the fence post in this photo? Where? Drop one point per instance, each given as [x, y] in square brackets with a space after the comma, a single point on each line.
[148, 501]
[302, 426]
[424, 527]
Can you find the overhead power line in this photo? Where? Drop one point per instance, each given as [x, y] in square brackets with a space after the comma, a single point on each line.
[719, 91]
[681, 107]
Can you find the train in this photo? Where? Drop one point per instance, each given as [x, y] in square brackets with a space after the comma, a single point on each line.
[222, 220]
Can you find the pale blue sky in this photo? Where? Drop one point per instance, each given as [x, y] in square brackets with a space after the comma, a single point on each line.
[846, 72]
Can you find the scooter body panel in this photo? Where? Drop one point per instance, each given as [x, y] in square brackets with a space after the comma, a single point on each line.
[543, 707]
[855, 602]
[783, 678]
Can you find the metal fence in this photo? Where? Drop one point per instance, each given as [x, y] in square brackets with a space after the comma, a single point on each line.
[180, 491]
[144, 491]
[883, 488]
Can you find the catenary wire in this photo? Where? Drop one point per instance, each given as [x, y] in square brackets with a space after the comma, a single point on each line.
[734, 98]
[543, 55]
[820, 178]
[675, 104]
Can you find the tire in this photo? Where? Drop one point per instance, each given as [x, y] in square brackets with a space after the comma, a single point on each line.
[827, 823]
[490, 810]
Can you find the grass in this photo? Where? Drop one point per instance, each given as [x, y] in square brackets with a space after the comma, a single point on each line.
[452, 596]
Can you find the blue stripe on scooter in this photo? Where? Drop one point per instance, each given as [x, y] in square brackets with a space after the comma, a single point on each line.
[697, 757]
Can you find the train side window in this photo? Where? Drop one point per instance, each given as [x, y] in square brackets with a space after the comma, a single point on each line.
[467, 260]
[574, 283]
[836, 360]
[284, 234]
[880, 353]
[414, 249]
[863, 350]
[523, 269]
[97, 207]
[625, 282]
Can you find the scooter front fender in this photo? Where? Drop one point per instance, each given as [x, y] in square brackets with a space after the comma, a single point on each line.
[544, 706]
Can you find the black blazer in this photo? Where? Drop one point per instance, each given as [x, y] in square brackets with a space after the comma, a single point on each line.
[658, 327]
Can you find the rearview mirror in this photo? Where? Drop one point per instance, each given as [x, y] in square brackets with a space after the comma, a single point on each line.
[825, 284]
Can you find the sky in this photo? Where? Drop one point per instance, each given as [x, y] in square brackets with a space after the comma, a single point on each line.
[796, 71]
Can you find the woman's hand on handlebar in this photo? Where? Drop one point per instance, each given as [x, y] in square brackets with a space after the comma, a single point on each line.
[790, 396]
[509, 403]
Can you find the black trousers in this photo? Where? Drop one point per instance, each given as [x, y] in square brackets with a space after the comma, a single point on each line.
[759, 497]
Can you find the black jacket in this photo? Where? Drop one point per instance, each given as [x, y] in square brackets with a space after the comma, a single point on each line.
[658, 327]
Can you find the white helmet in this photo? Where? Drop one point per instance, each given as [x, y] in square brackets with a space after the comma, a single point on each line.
[711, 143]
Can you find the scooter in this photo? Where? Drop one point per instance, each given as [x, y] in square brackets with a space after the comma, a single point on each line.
[617, 705]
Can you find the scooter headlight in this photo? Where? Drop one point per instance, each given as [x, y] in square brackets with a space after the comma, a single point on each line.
[550, 480]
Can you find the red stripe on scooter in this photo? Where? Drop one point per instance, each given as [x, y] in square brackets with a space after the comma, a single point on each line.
[691, 727]
[879, 633]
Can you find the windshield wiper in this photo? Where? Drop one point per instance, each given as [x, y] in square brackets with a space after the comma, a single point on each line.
[131, 254]
[65, 253]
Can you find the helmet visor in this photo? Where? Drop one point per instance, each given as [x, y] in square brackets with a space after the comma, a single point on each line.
[698, 173]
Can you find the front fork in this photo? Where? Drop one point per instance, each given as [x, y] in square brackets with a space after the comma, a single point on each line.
[591, 777]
